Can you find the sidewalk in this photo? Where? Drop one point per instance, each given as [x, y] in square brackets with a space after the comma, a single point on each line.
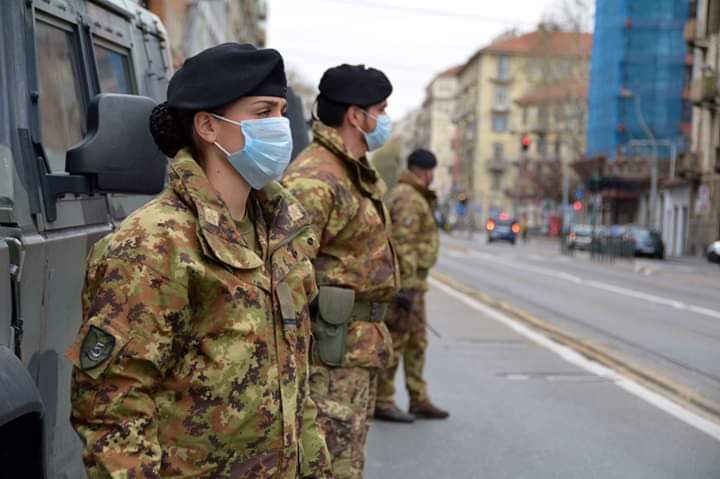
[520, 411]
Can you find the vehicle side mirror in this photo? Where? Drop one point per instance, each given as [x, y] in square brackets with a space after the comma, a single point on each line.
[118, 153]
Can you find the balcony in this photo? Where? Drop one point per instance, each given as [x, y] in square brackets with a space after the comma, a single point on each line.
[705, 89]
[693, 37]
[688, 165]
[497, 165]
[500, 108]
[502, 80]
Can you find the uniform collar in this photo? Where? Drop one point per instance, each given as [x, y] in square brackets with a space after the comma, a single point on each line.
[409, 178]
[366, 176]
[220, 238]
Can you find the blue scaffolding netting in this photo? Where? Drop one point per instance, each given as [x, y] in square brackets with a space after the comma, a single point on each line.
[637, 66]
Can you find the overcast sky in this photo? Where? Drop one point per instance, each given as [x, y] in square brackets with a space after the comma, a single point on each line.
[410, 40]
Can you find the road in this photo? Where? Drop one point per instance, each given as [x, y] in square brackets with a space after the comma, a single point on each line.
[662, 316]
[522, 408]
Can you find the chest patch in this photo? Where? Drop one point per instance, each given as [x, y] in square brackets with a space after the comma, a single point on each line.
[96, 348]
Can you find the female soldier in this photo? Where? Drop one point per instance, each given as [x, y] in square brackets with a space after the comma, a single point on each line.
[192, 360]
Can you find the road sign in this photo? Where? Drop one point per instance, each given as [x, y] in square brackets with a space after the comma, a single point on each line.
[702, 205]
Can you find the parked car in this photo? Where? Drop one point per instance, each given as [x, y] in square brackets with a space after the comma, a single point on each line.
[580, 236]
[647, 242]
[713, 252]
[502, 228]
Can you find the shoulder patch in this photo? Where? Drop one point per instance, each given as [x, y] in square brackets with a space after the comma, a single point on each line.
[97, 346]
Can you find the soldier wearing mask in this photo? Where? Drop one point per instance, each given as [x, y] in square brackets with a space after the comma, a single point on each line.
[354, 261]
[192, 359]
[415, 234]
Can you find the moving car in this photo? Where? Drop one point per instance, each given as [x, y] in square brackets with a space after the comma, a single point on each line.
[502, 228]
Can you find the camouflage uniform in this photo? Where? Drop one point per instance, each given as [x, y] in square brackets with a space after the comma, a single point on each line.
[192, 360]
[415, 236]
[343, 195]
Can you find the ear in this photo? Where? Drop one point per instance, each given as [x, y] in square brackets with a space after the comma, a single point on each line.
[354, 116]
[205, 126]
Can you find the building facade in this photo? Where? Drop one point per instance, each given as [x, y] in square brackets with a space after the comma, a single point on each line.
[488, 119]
[194, 25]
[637, 74]
[640, 116]
[436, 130]
[554, 127]
[701, 166]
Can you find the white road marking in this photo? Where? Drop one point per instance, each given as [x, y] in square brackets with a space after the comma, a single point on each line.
[593, 284]
[572, 357]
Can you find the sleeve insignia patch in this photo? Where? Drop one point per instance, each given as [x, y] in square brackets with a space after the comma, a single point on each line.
[96, 348]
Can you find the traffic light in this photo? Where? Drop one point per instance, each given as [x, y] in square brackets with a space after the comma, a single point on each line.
[577, 206]
[526, 142]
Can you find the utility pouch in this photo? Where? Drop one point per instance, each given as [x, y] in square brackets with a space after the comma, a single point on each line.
[335, 307]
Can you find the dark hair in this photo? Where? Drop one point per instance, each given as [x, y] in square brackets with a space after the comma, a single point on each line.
[172, 129]
[329, 112]
[332, 113]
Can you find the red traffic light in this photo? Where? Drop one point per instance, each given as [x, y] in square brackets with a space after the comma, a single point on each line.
[526, 142]
[577, 206]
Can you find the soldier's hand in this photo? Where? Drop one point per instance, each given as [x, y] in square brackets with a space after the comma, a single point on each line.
[404, 299]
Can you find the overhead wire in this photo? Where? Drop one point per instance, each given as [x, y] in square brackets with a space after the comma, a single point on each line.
[428, 11]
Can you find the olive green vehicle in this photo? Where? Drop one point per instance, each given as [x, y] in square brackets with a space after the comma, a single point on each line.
[78, 79]
[70, 169]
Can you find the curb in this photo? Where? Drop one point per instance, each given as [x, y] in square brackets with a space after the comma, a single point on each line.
[661, 385]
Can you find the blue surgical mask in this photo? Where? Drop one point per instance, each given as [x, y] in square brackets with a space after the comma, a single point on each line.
[381, 134]
[267, 151]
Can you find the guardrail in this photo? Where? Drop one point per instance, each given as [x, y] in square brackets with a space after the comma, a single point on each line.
[607, 250]
[601, 249]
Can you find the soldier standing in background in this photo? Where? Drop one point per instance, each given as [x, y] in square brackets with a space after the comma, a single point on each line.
[355, 265]
[415, 235]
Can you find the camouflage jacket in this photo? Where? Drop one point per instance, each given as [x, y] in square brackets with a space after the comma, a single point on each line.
[415, 232]
[192, 360]
[343, 196]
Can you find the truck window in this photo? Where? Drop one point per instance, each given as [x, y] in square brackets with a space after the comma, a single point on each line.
[113, 66]
[62, 112]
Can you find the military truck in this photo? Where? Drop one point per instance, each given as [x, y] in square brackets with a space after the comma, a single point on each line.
[55, 57]
[78, 79]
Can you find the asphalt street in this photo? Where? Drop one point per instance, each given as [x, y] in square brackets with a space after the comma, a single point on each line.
[523, 410]
[663, 316]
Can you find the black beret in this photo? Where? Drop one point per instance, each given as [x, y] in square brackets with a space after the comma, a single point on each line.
[222, 74]
[422, 159]
[355, 85]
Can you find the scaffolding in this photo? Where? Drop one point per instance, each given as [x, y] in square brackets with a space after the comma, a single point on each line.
[638, 74]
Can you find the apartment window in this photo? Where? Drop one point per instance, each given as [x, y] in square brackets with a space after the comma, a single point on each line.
[714, 17]
[495, 185]
[501, 96]
[503, 68]
[500, 122]
[543, 116]
[498, 151]
[542, 146]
